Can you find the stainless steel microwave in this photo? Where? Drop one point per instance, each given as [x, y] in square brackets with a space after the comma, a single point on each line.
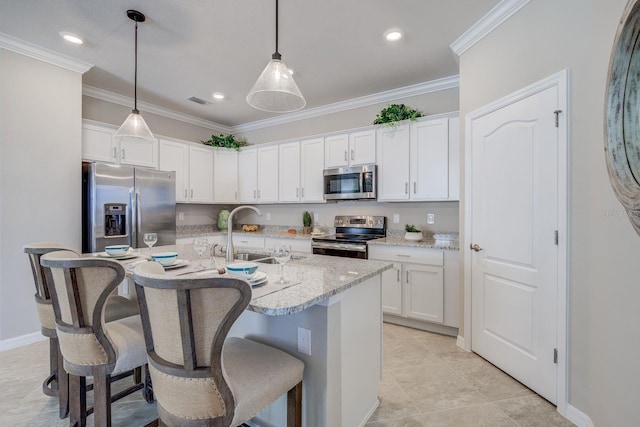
[354, 183]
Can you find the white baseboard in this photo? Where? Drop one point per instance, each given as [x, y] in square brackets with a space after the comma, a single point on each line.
[370, 413]
[460, 342]
[577, 417]
[21, 340]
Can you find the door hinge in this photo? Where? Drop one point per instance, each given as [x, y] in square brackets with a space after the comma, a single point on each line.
[555, 356]
[555, 237]
[557, 114]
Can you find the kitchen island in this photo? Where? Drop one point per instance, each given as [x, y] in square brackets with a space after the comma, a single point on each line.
[338, 301]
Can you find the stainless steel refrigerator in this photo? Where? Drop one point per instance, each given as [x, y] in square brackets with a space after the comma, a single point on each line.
[121, 203]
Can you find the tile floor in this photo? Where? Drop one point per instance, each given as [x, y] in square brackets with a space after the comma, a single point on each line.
[427, 381]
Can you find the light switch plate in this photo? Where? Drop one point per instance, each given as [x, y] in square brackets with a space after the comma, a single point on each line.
[181, 216]
[396, 218]
[268, 216]
[304, 341]
[431, 218]
[316, 218]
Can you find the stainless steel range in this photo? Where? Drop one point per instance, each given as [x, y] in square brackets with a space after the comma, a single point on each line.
[352, 234]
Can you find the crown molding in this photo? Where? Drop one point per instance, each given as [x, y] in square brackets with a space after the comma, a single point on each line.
[33, 51]
[115, 98]
[363, 101]
[496, 16]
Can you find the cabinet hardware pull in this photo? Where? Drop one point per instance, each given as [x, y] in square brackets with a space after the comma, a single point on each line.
[407, 276]
[254, 194]
[398, 271]
[403, 255]
[414, 187]
[185, 193]
[302, 195]
[297, 192]
[114, 152]
[123, 154]
[345, 155]
[406, 188]
[235, 195]
[258, 194]
[192, 193]
[352, 155]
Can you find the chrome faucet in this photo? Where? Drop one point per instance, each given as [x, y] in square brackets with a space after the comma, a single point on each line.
[230, 231]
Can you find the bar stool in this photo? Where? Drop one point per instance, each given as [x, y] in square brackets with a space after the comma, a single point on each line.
[201, 377]
[118, 307]
[90, 346]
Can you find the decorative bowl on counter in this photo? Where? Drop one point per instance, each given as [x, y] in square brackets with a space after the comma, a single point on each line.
[250, 227]
[244, 269]
[165, 259]
[116, 250]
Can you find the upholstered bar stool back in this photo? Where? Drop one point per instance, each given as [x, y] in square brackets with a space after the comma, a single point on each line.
[199, 376]
[80, 288]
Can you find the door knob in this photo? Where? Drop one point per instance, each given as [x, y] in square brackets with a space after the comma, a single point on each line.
[475, 247]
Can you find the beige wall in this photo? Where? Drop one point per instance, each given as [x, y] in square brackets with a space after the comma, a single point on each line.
[40, 176]
[545, 37]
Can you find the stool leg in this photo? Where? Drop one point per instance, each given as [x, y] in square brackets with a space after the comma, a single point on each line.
[77, 401]
[294, 406]
[63, 383]
[101, 397]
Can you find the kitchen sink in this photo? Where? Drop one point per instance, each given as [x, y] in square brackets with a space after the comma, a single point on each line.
[261, 258]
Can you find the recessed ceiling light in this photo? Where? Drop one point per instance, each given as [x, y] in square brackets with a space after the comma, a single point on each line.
[72, 38]
[393, 35]
[218, 96]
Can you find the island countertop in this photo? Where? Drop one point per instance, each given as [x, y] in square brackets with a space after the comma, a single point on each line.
[314, 278]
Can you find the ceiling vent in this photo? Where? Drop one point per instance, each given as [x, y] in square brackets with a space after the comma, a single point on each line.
[198, 100]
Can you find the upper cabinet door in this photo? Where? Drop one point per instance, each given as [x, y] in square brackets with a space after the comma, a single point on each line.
[268, 174]
[200, 174]
[98, 144]
[454, 158]
[393, 167]
[336, 151]
[430, 160]
[362, 147]
[312, 162]
[225, 176]
[174, 156]
[289, 176]
[138, 153]
[248, 175]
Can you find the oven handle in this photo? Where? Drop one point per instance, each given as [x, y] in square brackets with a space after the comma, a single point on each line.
[347, 246]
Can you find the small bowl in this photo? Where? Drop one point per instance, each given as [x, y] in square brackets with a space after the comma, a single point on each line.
[245, 269]
[116, 250]
[165, 259]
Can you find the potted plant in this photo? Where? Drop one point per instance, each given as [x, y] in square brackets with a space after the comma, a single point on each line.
[395, 113]
[222, 141]
[306, 222]
[412, 233]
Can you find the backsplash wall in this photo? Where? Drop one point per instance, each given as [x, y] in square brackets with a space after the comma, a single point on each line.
[446, 214]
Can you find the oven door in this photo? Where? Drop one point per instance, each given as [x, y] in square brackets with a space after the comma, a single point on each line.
[345, 250]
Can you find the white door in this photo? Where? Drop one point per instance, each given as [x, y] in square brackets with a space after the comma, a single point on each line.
[289, 175]
[514, 187]
[312, 165]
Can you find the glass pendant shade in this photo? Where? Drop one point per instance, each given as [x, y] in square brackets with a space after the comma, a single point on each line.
[134, 127]
[275, 90]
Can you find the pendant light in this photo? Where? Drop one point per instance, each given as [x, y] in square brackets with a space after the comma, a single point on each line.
[134, 127]
[275, 90]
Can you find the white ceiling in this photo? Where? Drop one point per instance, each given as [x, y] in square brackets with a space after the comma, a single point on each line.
[196, 47]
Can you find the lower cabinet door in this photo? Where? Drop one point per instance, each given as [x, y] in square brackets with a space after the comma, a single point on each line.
[392, 290]
[424, 292]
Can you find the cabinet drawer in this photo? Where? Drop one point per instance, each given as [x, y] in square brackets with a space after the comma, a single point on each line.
[241, 241]
[407, 254]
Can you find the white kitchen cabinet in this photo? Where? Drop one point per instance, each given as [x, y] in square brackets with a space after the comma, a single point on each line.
[350, 149]
[174, 156]
[194, 170]
[422, 286]
[225, 175]
[419, 161]
[297, 245]
[98, 144]
[258, 175]
[289, 179]
[300, 176]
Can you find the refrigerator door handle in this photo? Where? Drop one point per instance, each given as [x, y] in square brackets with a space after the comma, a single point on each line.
[138, 217]
[133, 224]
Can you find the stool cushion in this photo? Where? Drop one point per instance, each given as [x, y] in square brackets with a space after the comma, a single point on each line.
[258, 375]
[119, 307]
[128, 340]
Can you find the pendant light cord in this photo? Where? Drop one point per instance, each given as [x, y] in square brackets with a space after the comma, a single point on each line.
[276, 55]
[135, 73]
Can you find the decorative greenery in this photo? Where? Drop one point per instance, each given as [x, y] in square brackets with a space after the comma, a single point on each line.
[396, 112]
[306, 219]
[228, 141]
[411, 228]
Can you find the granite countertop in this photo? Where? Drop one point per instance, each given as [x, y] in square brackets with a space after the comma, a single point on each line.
[270, 231]
[427, 242]
[320, 277]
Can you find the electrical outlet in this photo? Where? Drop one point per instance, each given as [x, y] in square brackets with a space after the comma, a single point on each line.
[316, 218]
[268, 216]
[396, 218]
[181, 216]
[304, 341]
[431, 218]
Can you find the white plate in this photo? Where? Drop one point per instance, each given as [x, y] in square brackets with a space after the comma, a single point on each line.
[258, 279]
[178, 263]
[131, 253]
